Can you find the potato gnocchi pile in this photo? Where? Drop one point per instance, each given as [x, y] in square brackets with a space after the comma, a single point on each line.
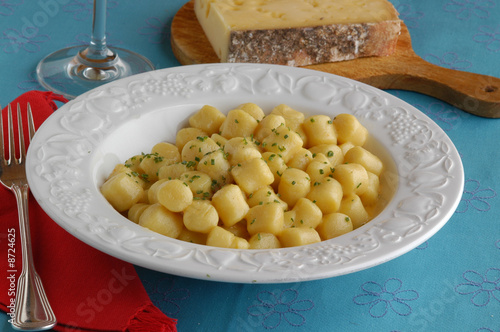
[247, 180]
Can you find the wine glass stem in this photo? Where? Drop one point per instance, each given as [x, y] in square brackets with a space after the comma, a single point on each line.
[75, 70]
[98, 49]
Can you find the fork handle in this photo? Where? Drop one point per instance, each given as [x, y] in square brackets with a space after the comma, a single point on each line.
[32, 309]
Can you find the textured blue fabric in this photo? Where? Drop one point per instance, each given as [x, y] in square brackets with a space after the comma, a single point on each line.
[449, 283]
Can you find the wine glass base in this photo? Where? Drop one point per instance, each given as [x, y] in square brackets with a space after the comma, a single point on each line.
[65, 72]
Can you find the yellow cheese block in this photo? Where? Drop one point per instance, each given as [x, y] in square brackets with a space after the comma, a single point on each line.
[298, 32]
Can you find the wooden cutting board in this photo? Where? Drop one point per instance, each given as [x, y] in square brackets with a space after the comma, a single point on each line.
[404, 70]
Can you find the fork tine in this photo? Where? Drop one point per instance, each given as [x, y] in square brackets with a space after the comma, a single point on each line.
[31, 123]
[1, 136]
[22, 147]
[11, 149]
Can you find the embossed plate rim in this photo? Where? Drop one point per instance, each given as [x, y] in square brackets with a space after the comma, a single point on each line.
[68, 155]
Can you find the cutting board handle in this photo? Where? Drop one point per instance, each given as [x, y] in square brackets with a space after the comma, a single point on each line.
[474, 93]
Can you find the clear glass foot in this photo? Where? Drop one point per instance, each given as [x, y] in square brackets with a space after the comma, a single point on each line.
[75, 70]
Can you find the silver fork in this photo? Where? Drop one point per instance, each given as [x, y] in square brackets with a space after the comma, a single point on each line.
[32, 308]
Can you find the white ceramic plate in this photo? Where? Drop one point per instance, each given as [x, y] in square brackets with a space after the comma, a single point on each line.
[78, 146]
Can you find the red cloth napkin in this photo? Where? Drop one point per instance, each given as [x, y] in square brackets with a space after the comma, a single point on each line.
[87, 289]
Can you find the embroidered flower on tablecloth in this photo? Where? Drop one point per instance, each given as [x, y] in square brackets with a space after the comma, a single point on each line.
[30, 84]
[155, 29]
[7, 6]
[409, 16]
[445, 116]
[165, 296]
[276, 308]
[489, 35]
[14, 41]
[482, 288]
[448, 60]
[381, 298]
[465, 9]
[475, 197]
[484, 329]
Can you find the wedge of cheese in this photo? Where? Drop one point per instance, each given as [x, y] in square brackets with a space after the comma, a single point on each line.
[298, 32]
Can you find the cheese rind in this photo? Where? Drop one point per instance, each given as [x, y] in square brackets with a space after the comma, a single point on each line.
[298, 32]
[301, 47]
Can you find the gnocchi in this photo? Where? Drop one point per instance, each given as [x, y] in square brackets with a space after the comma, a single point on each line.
[247, 180]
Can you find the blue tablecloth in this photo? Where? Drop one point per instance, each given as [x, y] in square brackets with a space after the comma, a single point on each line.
[449, 283]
